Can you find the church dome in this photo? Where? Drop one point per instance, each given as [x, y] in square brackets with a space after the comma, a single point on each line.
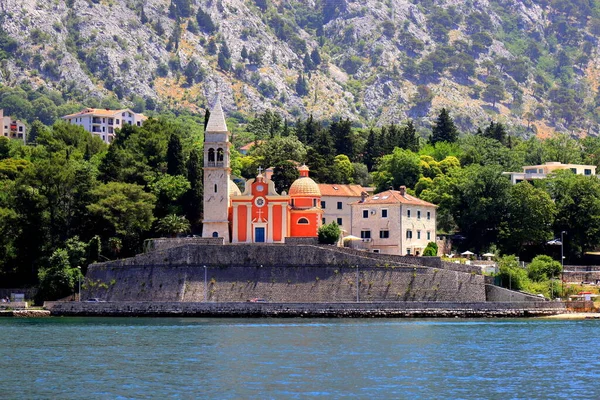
[304, 186]
[234, 190]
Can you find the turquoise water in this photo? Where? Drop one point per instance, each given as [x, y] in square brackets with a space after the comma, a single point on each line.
[112, 358]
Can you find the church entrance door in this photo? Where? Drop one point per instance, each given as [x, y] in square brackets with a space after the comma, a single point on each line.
[259, 235]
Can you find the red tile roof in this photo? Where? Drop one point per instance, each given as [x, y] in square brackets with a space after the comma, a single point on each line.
[394, 197]
[328, 189]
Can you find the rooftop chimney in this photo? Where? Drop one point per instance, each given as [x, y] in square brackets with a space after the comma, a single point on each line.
[363, 196]
[402, 190]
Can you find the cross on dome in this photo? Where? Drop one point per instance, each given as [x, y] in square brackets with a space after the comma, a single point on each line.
[260, 170]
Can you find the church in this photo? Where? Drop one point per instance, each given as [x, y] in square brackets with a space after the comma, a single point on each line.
[259, 214]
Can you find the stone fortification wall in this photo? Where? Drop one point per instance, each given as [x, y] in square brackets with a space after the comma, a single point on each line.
[383, 310]
[280, 284]
[277, 273]
[499, 294]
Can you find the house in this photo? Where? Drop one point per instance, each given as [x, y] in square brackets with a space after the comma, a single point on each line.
[335, 203]
[260, 214]
[394, 222]
[542, 171]
[104, 122]
[245, 149]
[12, 128]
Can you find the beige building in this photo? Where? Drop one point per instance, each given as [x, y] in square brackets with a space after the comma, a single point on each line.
[531, 172]
[103, 123]
[335, 203]
[12, 128]
[394, 222]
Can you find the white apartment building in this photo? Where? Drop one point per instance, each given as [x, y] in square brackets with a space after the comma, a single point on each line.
[12, 128]
[104, 122]
[335, 203]
[531, 172]
[394, 222]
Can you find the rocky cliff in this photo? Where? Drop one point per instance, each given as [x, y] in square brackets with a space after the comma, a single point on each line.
[528, 63]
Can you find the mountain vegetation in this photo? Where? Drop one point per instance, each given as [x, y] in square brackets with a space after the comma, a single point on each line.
[530, 64]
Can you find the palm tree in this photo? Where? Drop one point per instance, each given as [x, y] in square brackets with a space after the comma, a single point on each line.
[172, 225]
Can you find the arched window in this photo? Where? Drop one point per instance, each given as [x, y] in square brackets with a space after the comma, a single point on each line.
[219, 155]
[302, 221]
[215, 234]
[215, 188]
[211, 157]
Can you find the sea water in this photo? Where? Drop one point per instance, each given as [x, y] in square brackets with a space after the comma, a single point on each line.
[138, 358]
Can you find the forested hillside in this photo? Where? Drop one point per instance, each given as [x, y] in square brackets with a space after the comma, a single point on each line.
[530, 64]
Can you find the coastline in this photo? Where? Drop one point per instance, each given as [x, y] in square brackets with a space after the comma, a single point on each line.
[309, 310]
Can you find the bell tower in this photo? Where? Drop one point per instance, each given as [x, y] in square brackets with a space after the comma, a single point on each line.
[217, 173]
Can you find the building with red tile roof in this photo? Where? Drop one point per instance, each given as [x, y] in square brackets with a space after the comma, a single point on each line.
[104, 122]
[394, 222]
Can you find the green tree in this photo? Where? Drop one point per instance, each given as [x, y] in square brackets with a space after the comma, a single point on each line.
[431, 250]
[528, 220]
[224, 58]
[402, 167]
[329, 233]
[205, 22]
[59, 279]
[193, 201]
[494, 91]
[175, 160]
[342, 169]
[444, 129]
[344, 138]
[479, 203]
[577, 200]
[123, 210]
[543, 268]
[511, 275]
[372, 150]
[279, 149]
[172, 225]
[284, 174]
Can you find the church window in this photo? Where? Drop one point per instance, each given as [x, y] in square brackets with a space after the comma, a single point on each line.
[211, 157]
[219, 156]
[215, 188]
[314, 202]
[303, 221]
[215, 234]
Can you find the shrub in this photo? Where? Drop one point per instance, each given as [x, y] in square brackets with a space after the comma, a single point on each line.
[329, 233]
[431, 250]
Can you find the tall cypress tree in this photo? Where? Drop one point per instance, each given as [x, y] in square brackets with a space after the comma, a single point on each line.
[372, 150]
[175, 161]
[345, 143]
[193, 198]
[444, 129]
[411, 139]
[206, 117]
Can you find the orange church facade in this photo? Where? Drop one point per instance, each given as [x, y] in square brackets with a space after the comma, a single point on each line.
[261, 215]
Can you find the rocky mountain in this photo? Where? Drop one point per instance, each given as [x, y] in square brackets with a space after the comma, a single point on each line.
[532, 64]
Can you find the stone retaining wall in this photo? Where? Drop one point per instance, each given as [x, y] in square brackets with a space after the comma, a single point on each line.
[500, 294]
[187, 283]
[326, 310]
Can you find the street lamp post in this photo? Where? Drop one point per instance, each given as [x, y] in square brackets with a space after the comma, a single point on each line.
[79, 283]
[357, 292]
[562, 263]
[205, 286]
